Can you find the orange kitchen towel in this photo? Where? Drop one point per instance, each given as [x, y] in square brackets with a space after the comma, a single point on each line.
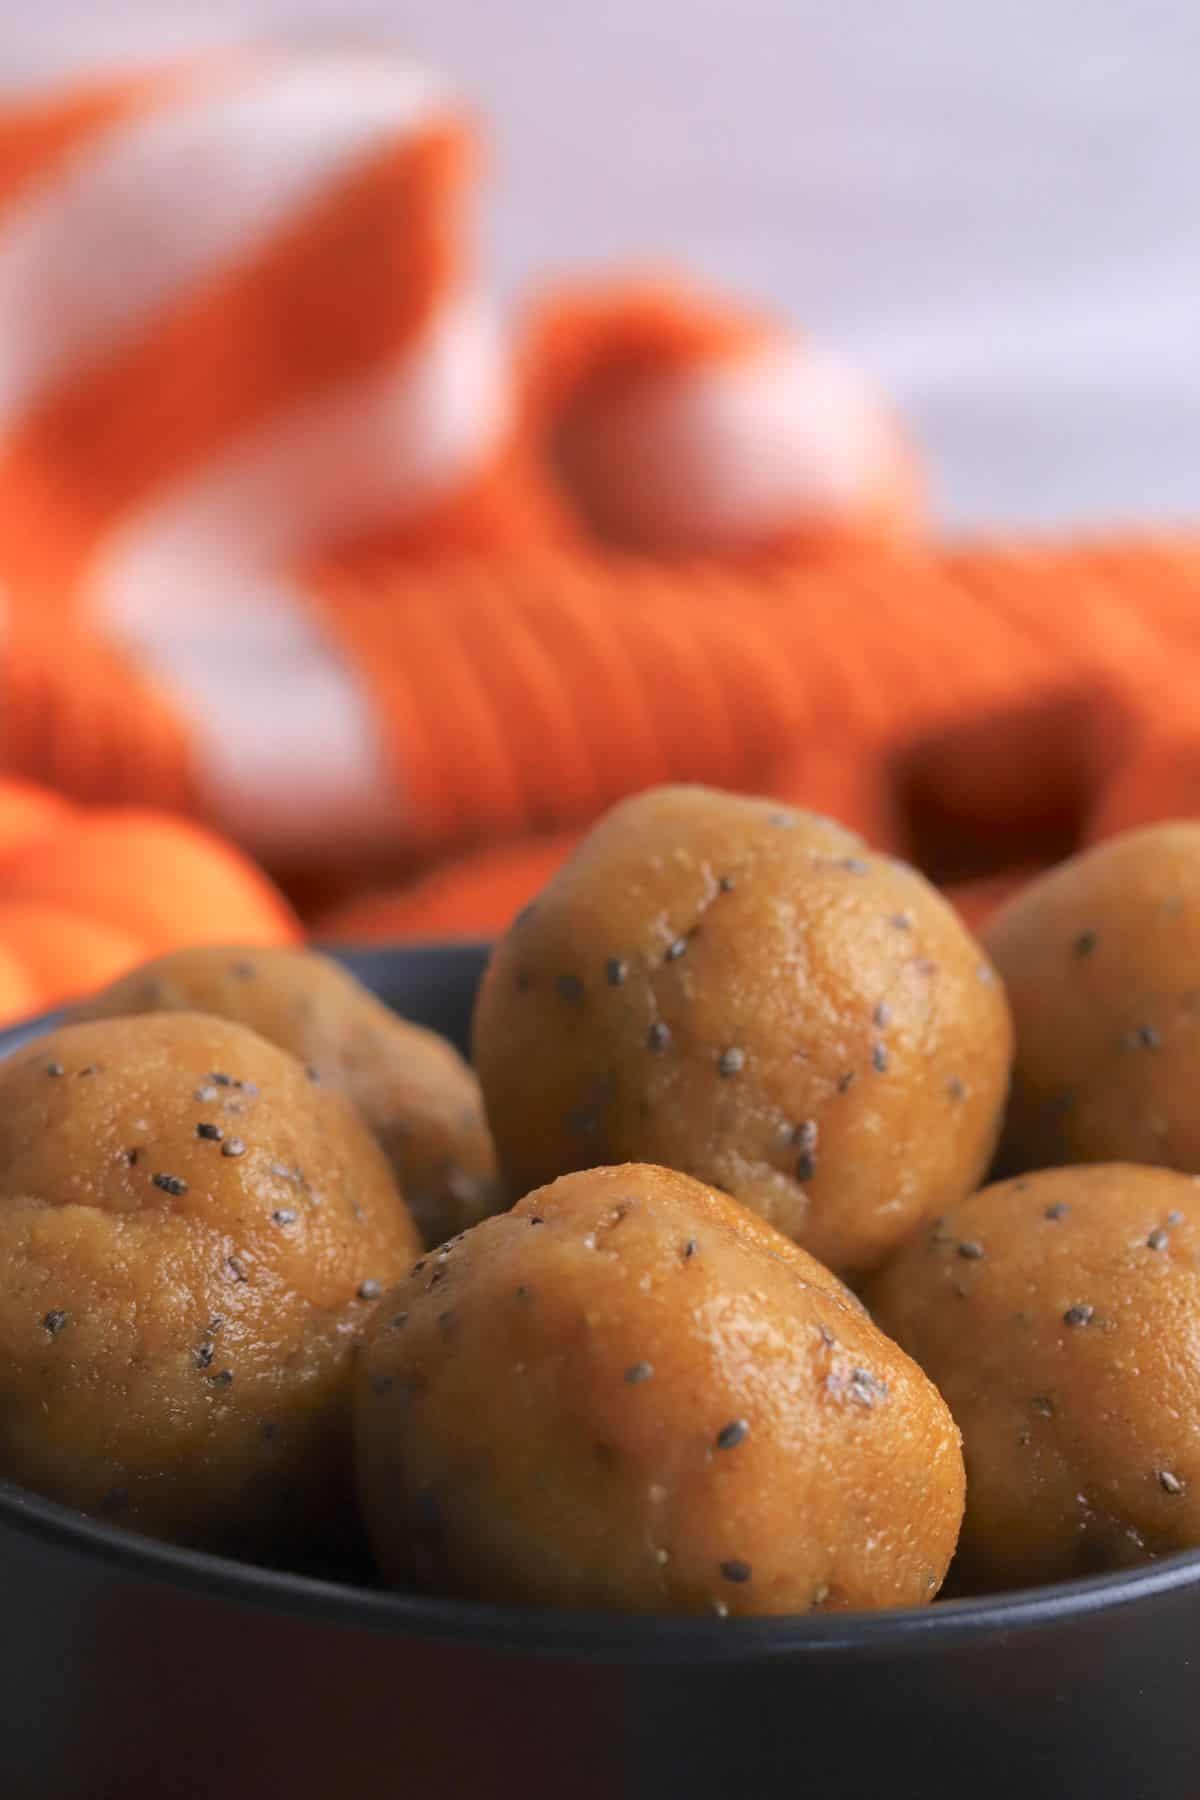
[240, 327]
[294, 541]
[86, 894]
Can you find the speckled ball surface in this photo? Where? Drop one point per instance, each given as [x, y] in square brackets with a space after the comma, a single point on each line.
[747, 994]
[191, 1231]
[1101, 958]
[630, 1394]
[413, 1088]
[1058, 1314]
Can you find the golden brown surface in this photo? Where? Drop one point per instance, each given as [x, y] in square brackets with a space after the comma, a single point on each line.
[746, 993]
[191, 1231]
[629, 1394]
[1102, 962]
[417, 1094]
[1059, 1313]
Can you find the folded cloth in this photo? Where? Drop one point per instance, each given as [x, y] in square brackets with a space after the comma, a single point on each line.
[293, 542]
[87, 893]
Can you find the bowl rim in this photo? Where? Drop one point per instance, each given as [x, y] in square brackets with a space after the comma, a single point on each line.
[599, 1636]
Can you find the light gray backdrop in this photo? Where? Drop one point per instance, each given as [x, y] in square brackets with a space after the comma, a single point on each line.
[992, 203]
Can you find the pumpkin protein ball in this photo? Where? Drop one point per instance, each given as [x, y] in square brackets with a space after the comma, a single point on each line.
[190, 1233]
[1101, 958]
[1057, 1314]
[746, 993]
[630, 1394]
[413, 1088]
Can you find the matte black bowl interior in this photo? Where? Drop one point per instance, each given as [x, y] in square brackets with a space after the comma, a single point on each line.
[130, 1668]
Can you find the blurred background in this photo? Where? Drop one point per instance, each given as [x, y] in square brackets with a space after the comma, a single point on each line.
[991, 207]
[355, 611]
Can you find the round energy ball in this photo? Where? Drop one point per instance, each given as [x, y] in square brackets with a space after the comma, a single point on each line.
[191, 1232]
[1057, 1313]
[745, 993]
[1101, 958]
[630, 1394]
[413, 1088]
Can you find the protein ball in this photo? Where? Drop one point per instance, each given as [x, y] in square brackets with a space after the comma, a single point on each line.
[630, 1394]
[1068, 1353]
[413, 1088]
[1101, 958]
[829, 1045]
[176, 1325]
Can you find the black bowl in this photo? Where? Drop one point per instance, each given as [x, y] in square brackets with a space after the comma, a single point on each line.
[130, 1670]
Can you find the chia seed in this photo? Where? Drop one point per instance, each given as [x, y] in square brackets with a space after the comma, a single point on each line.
[170, 1184]
[731, 1435]
[970, 1251]
[639, 1372]
[54, 1321]
[370, 1290]
[1080, 1314]
[736, 1570]
[616, 971]
[213, 1133]
[1084, 944]
[1059, 1210]
[283, 1215]
[879, 1058]
[1157, 1240]
[55, 1068]
[866, 1388]
[570, 987]
[883, 1015]
[1170, 1484]
[731, 1062]
[233, 1147]
[676, 949]
[659, 1036]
